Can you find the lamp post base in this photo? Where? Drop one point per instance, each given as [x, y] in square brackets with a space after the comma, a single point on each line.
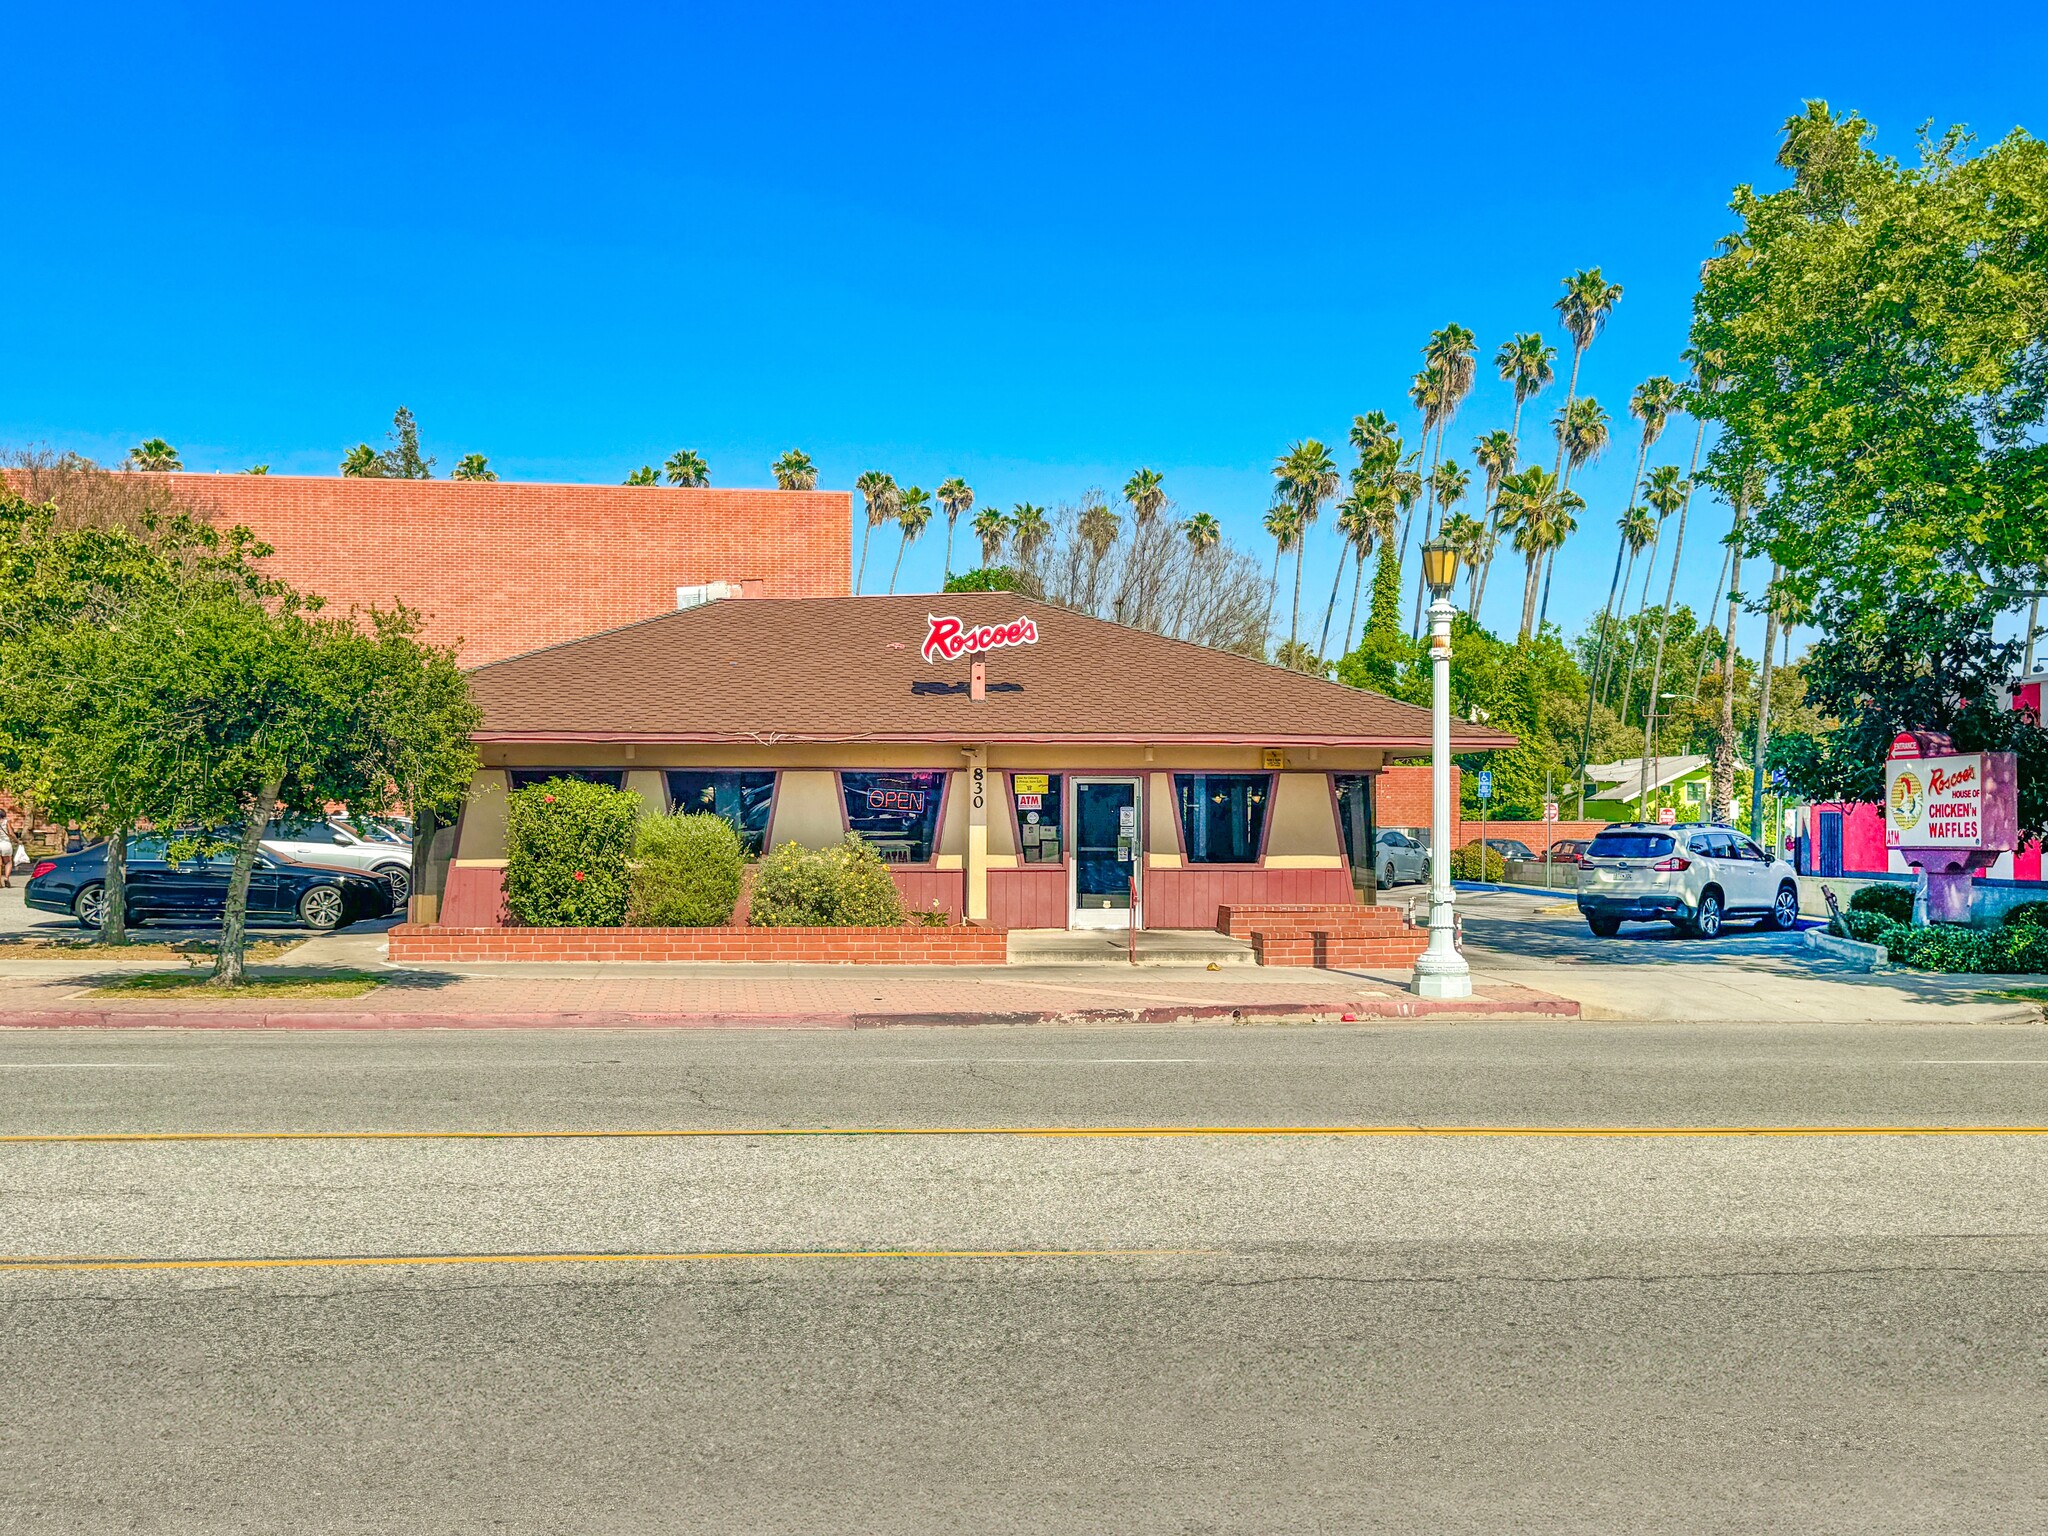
[1441, 984]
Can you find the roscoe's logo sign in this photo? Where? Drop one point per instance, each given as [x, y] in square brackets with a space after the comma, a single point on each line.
[948, 637]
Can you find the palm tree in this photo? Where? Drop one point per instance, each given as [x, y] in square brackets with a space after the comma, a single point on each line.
[1354, 522]
[1636, 529]
[1202, 532]
[913, 511]
[1588, 300]
[1426, 389]
[1373, 436]
[1471, 538]
[1581, 437]
[956, 497]
[794, 471]
[1367, 518]
[1449, 352]
[473, 466]
[1705, 378]
[686, 466]
[362, 462]
[1495, 453]
[1748, 486]
[155, 455]
[1651, 404]
[1525, 363]
[993, 529]
[1283, 528]
[879, 491]
[644, 475]
[1307, 477]
[1145, 495]
[1664, 491]
[1543, 514]
[1029, 529]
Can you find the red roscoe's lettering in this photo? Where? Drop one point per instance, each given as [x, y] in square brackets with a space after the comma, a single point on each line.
[1940, 782]
[949, 637]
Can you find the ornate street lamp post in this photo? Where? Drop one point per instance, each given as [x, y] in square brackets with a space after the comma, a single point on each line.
[1441, 971]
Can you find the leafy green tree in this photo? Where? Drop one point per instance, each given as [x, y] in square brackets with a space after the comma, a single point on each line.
[686, 467]
[474, 466]
[257, 469]
[646, 474]
[402, 460]
[154, 454]
[956, 496]
[989, 578]
[1877, 327]
[913, 512]
[794, 471]
[362, 462]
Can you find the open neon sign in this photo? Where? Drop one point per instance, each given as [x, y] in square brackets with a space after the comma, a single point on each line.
[949, 637]
[910, 801]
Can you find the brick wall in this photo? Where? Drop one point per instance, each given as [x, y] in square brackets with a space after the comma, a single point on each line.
[913, 945]
[504, 567]
[1401, 799]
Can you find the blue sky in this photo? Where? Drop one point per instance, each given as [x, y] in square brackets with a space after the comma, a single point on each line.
[1034, 246]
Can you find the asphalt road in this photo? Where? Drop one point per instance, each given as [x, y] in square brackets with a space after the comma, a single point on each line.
[1199, 1332]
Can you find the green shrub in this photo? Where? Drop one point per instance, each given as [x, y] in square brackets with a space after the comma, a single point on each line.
[1944, 947]
[686, 871]
[2028, 914]
[1892, 900]
[2021, 949]
[844, 886]
[1874, 928]
[566, 850]
[988, 578]
[1475, 861]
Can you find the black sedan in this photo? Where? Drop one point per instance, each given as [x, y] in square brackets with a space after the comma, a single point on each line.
[281, 890]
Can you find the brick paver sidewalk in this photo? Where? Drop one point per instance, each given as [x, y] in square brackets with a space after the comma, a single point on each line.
[843, 997]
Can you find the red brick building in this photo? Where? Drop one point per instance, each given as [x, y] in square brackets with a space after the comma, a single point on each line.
[504, 568]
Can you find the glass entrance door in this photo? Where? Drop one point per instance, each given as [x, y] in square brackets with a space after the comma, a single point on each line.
[1107, 852]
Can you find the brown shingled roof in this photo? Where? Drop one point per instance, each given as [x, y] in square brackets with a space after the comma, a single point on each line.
[849, 669]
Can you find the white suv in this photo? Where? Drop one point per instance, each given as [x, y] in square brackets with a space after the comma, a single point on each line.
[336, 844]
[1693, 876]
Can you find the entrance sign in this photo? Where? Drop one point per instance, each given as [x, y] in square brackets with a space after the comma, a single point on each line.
[1032, 783]
[1950, 802]
[948, 638]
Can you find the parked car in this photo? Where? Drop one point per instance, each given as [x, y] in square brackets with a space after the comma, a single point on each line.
[1568, 850]
[335, 843]
[1693, 876]
[1398, 857]
[1510, 848]
[281, 890]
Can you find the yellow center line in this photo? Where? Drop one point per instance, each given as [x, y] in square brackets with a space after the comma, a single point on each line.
[1068, 1132]
[63, 1263]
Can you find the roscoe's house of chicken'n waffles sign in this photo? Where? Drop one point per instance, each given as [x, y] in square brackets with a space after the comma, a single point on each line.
[948, 638]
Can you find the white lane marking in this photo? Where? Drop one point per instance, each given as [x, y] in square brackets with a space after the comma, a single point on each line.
[1990, 1061]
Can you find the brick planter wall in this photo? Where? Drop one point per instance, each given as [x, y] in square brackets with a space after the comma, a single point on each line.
[971, 945]
[1333, 936]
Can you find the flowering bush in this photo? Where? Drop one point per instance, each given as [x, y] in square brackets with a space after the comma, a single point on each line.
[844, 886]
[566, 847]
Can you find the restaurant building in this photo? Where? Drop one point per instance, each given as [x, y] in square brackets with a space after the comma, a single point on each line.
[1015, 763]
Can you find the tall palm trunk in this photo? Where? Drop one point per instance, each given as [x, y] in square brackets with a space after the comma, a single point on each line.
[896, 570]
[1329, 613]
[1628, 576]
[1763, 710]
[1571, 394]
[1724, 740]
[860, 574]
[1651, 712]
[1273, 587]
[1428, 520]
[1294, 621]
[1493, 507]
[950, 517]
[1529, 591]
[1599, 660]
[1357, 578]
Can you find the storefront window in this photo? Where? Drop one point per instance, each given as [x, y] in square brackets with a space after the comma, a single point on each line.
[1038, 816]
[1222, 815]
[526, 778]
[898, 813]
[746, 800]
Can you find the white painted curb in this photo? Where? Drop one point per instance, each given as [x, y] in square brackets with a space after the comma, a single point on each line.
[1864, 957]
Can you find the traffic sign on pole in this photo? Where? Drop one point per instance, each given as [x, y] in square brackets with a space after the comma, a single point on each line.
[1666, 816]
[1550, 810]
[1486, 783]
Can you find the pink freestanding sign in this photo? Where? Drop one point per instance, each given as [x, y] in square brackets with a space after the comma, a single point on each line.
[1949, 814]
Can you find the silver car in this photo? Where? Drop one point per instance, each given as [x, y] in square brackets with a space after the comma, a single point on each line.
[1398, 857]
[1692, 876]
[335, 843]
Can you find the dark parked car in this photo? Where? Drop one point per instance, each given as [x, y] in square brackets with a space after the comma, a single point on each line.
[1510, 848]
[281, 890]
[1568, 850]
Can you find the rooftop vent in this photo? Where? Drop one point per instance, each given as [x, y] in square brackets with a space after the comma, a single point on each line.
[708, 592]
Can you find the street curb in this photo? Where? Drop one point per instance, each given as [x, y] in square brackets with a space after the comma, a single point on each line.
[1864, 957]
[1332, 1012]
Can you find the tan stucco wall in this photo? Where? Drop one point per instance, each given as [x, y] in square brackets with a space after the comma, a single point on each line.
[807, 811]
[829, 755]
[652, 789]
[483, 819]
[1303, 833]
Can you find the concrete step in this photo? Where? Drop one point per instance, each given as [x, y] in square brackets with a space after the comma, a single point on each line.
[1193, 947]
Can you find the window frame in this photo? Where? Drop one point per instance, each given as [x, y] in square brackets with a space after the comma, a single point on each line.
[1180, 826]
[574, 772]
[938, 826]
[1016, 833]
[774, 800]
